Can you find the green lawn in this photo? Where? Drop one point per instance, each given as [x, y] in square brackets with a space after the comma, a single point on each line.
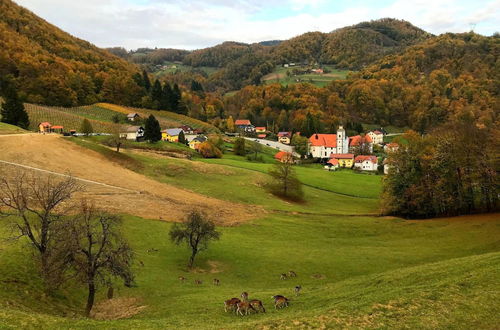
[357, 271]
[279, 75]
[10, 129]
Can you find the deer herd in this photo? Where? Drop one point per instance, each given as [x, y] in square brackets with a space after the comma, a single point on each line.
[245, 306]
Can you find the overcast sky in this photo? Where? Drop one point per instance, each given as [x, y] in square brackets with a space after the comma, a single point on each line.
[192, 24]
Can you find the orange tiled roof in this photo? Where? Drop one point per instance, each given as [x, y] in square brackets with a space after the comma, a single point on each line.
[356, 140]
[326, 140]
[242, 122]
[342, 156]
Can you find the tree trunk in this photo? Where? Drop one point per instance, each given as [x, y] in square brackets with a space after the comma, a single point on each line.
[90, 299]
[110, 292]
[191, 259]
[118, 147]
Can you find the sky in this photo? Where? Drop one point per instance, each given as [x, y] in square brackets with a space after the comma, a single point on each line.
[194, 24]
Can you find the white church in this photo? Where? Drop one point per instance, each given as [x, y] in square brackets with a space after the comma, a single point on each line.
[323, 145]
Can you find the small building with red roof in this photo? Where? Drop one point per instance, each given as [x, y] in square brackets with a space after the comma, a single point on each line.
[284, 157]
[366, 163]
[45, 127]
[391, 147]
[332, 164]
[260, 129]
[358, 142]
[244, 125]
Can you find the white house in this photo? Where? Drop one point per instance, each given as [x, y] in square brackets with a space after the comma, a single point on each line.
[323, 145]
[366, 163]
[133, 116]
[376, 136]
[135, 133]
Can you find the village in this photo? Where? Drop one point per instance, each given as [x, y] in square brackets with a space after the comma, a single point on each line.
[362, 152]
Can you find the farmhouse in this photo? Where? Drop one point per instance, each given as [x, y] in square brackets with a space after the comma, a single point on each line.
[323, 145]
[57, 128]
[391, 147]
[44, 127]
[171, 134]
[366, 163]
[285, 137]
[360, 144]
[188, 130]
[133, 116]
[376, 136]
[194, 143]
[244, 125]
[344, 160]
[332, 164]
[135, 133]
[260, 129]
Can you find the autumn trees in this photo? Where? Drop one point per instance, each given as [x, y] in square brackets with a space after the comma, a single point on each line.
[451, 171]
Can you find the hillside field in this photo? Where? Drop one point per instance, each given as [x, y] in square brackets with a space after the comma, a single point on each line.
[279, 75]
[357, 270]
[101, 116]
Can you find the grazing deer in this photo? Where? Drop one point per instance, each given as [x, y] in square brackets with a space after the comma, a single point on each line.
[244, 306]
[292, 274]
[257, 305]
[182, 279]
[297, 289]
[199, 282]
[283, 276]
[216, 281]
[231, 304]
[280, 301]
[244, 296]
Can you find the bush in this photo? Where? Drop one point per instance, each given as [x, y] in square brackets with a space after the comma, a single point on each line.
[208, 150]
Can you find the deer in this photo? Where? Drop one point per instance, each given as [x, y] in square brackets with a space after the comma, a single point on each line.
[280, 301]
[199, 282]
[231, 304]
[244, 306]
[297, 289]
[292, 274]
[283, 276]
[257, 305]
[216, 282]
[182, 279]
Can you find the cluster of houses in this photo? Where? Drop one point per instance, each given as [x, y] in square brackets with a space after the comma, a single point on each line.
[339, 150]
[193, 137]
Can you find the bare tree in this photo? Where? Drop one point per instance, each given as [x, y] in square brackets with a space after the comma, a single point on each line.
[284, 181]
[97, 250]
[37, 205]
[115, 140]
[197, 231]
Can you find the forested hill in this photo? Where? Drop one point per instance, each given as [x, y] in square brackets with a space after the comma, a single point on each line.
[52, 67]
[351, 47]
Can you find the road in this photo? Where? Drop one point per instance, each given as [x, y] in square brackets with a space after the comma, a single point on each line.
[274, 144]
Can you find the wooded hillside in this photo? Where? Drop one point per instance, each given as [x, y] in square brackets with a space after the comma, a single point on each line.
[52, 67]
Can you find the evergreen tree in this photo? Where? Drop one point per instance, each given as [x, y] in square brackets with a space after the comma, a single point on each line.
[147, 82]
[156, 94]
[152, 130]
[166, 98]
[176, 98]
[196, 86]
[182, 137]
[12, 111]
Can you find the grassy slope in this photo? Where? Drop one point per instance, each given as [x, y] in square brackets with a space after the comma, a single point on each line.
[377, 272]
[10, 129]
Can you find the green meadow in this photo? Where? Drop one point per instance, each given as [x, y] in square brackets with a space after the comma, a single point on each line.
[356, 269]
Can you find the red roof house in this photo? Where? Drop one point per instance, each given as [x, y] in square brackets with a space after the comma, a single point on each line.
[357, 140]
[283, 156]
[326, 140]
[242, 122]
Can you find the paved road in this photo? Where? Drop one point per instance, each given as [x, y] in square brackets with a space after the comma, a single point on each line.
[274, 144]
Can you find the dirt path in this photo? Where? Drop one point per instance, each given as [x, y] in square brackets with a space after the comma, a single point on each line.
[111, 186]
